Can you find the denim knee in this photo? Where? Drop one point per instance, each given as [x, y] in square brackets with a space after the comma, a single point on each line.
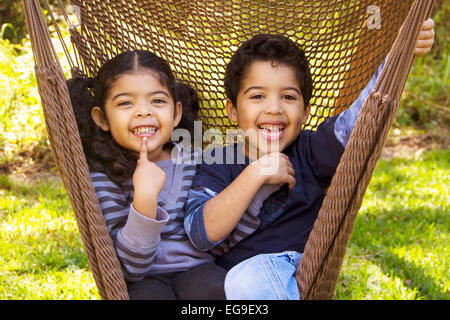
[264, 277]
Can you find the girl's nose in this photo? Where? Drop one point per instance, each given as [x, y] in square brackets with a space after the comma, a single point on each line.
[144, 110]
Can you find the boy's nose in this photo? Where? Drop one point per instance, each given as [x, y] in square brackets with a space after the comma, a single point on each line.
[274, 107]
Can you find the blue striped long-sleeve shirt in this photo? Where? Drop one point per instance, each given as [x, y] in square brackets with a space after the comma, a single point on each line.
[143, 245]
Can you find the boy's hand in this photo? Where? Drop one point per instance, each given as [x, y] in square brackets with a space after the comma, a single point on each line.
[148, 181]
[275, 168]
[426, 38]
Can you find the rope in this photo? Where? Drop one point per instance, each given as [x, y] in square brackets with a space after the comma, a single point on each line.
[317, 280]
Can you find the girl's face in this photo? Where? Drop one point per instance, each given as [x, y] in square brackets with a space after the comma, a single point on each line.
[138, 106]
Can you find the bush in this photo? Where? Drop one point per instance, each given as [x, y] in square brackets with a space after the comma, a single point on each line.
[429, 80]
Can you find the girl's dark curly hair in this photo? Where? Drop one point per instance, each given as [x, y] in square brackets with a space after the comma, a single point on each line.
[102, 152]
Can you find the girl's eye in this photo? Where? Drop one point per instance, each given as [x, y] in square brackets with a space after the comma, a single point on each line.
[124, 104]
[159, 101]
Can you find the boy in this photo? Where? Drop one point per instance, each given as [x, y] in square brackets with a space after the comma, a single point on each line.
[269, 203]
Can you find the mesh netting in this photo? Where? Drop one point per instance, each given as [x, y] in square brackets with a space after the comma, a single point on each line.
[341, 39]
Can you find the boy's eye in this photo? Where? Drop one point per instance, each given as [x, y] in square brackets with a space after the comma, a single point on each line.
[289, 97]
[257, 96]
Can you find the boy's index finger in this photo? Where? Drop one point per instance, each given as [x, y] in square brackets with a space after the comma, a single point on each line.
[428, 24]
[143, 153]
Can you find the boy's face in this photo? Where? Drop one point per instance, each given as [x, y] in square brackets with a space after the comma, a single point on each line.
[269, 108]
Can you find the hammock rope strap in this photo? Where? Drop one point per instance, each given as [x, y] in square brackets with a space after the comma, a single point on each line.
[67, 150]
[322, 258]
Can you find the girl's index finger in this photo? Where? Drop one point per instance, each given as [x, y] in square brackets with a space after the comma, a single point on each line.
[143, 151]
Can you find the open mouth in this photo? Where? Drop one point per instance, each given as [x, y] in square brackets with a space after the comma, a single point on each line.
[145, 131]
[271, 131]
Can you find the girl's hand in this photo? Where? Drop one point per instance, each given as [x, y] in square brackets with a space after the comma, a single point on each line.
[148, 181]
[426, 38]
[275, 168]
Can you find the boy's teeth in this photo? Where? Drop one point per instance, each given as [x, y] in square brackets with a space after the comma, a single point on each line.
[143, 130]
[271, 127]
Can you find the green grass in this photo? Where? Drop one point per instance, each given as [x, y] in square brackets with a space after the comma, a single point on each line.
[399, 246]
[398, 250]
[41, 255]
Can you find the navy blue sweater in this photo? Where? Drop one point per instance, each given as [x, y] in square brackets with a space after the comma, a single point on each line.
[314, 156]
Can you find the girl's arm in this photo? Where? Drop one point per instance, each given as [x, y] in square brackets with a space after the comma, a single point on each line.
[136, 237]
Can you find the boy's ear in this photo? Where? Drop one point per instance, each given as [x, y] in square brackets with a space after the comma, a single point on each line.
[231, 111]
[178, 114]
[99, 118]
[306, 115]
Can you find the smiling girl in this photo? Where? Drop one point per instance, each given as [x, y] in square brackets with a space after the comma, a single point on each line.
[126, 116]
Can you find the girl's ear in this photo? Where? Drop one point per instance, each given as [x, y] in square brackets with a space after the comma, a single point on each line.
[99, 118]
[178, 114]
[306, 115]
[231, 111]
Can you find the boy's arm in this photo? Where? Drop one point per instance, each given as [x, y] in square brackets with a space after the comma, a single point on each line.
[346, 120]
[218, 214]
[213, 215]
[222, 213]
[193, 222]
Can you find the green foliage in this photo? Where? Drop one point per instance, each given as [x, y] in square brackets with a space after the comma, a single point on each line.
[12, 19]
[21, 118]
[429, 79]
[399, 245]
[22, 123]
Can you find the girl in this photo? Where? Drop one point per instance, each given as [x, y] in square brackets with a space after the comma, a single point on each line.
[126, 116]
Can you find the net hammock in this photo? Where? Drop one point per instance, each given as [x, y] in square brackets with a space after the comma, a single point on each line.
[345, 41]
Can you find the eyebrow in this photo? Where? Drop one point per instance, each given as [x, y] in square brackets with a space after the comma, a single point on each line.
[261, 87]
[150, 94]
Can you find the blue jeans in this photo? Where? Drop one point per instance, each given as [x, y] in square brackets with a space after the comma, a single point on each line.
[264, 277]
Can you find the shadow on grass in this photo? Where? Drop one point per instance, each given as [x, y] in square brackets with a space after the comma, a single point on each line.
[383, 237]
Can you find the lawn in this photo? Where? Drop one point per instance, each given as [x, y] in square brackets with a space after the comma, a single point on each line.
[398, 250]
[399, 246]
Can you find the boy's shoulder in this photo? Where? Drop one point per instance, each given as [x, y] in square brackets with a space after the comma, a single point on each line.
[313, 139]
[219, 166]
[229, 156]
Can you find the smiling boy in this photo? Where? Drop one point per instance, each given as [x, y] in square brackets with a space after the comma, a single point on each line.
[268, 85]
[241, 211]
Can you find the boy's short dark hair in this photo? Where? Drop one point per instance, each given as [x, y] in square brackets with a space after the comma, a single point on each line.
[267, 47]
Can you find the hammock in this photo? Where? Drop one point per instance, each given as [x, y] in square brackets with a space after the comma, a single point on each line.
[345, 42]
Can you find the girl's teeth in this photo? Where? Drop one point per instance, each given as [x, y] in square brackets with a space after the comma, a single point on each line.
[144, 130]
